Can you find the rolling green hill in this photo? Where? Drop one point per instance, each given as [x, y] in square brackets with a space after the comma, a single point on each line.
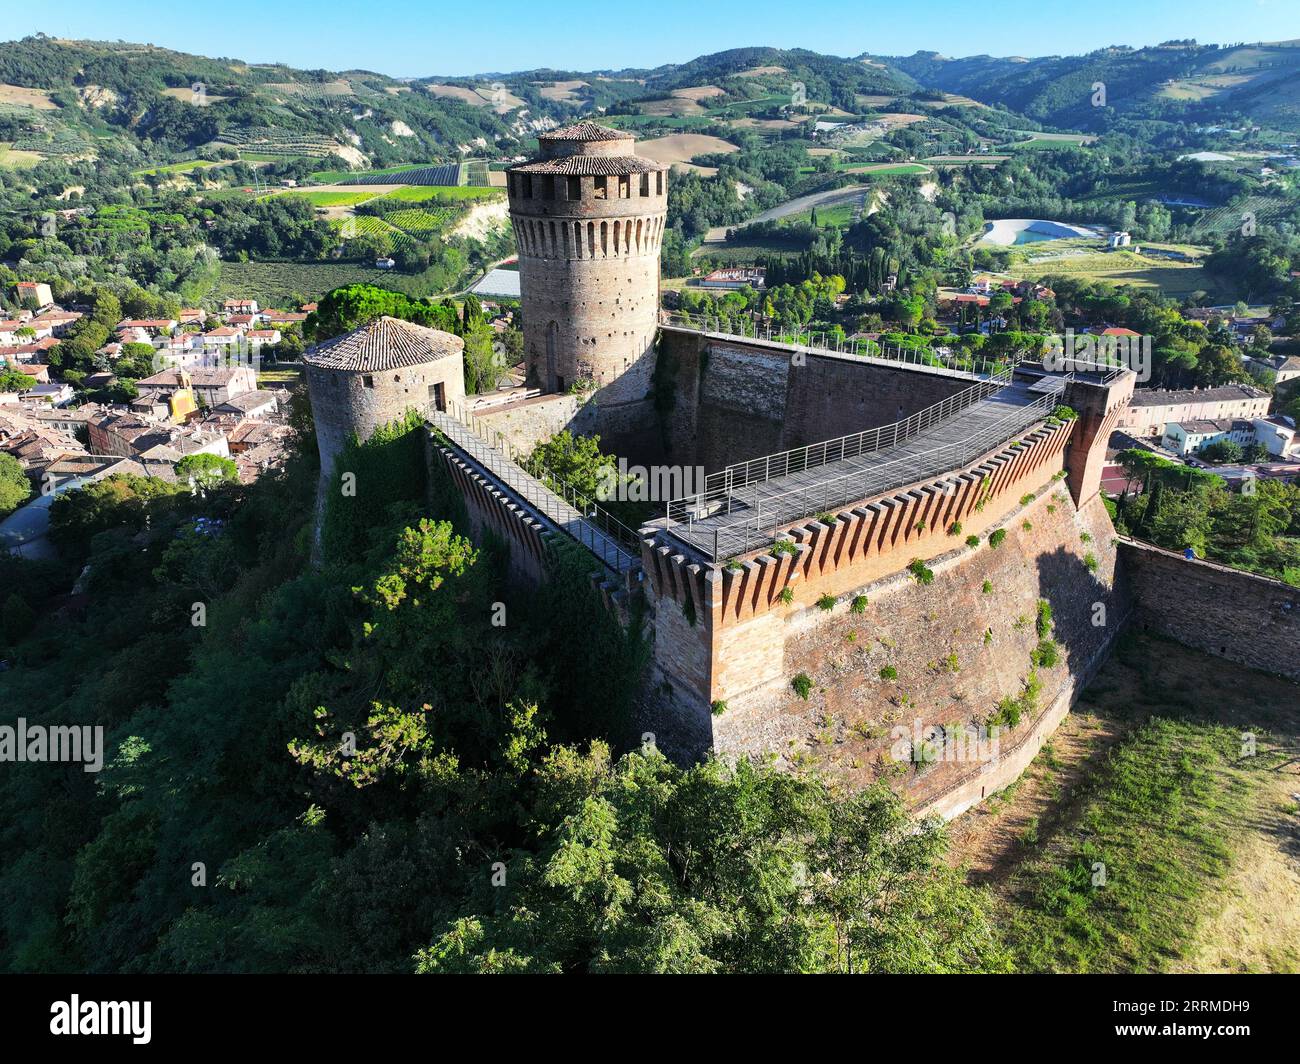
[1175, 81]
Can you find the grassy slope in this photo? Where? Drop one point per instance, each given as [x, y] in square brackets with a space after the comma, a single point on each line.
[1147, 777]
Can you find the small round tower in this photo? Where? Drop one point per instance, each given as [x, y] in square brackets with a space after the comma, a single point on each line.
[374, 374]
[588, 216]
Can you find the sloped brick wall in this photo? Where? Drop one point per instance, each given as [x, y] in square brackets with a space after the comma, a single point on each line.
[957, 650]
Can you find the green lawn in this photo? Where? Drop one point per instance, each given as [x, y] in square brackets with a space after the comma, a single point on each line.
[282, 373]
[1122, 268]
[425, 193]
[333, 197]
[1150, 817]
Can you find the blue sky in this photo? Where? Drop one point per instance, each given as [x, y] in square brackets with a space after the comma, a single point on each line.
[420, 37]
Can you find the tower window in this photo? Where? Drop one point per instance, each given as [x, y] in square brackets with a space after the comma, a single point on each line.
[527, 186]
[601, 191]
[368, 381]
[575, 188]
[624, 187]
[659, 182]
[645, 184]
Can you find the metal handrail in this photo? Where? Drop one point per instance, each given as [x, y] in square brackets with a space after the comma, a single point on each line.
[754, 527]
[578, 516]
[840, 345]
[811, 456]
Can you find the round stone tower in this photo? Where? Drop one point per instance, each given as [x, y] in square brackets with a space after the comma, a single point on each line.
[374, 374]
[588, 216]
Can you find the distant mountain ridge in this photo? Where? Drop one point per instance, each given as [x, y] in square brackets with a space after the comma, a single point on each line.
[1177, 80]
[77, 98]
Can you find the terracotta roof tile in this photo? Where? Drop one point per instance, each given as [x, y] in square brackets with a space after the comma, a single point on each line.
[590, 165]
[584, 130]
[385, 343]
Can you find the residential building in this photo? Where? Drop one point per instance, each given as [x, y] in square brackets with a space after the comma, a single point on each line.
[1153, 408]
[1188, 437]
[255, 404]
[1279, 436]
[56, 393]
[151, 326]
[734, 277]
[27, 291]
[212, 387]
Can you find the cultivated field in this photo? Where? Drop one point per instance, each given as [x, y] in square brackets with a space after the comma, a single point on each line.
[1038, 140]
[888, 169]
[699, 92]
[15, 159]
[479, 96]
[445, 193]
[339, 197]
[276, 283]
[562, 91]
[680, 148]
[20, 96]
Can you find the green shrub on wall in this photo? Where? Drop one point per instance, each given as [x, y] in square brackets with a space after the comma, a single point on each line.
[379, 481]
[921, 573]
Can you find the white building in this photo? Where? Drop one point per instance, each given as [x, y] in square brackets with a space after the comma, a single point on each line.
[1188, 437]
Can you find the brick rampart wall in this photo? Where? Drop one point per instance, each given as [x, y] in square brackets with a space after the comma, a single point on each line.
[1245, 618]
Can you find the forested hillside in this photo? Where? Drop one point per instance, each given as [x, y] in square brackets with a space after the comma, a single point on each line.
[1174, 81]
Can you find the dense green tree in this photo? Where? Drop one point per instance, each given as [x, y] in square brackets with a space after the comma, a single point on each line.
[15, 488]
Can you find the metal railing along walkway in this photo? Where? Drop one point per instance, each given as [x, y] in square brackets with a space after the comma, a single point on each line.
[739, 475]
[572, 512]
[748, 517]
[822, 342]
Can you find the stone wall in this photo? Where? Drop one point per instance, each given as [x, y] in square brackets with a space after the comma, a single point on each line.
[712, 402]
[627, 429]
[956, 648]
[1245, 618]
[725, 401]
[344, 402]
[489, 508]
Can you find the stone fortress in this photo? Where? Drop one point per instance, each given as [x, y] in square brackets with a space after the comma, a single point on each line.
[876, 544]
[374, 374]
[588, 217]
